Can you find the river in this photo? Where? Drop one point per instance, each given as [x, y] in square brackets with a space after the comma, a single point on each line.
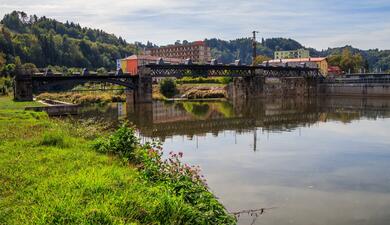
[308, 161]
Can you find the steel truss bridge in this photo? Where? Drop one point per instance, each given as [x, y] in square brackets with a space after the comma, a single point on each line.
[26, 83]
[229, 71]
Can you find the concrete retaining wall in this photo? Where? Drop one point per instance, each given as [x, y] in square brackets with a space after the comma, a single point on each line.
[368, 89]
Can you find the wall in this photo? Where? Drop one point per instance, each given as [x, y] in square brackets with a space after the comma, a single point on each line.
[252, 87]
[369, 89]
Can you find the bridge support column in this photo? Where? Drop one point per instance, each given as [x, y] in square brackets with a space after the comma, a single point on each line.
[144, 89]
[23, 87]
[246, 87]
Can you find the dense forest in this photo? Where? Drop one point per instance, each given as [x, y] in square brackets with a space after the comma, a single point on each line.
[43, 41]
[32, 42]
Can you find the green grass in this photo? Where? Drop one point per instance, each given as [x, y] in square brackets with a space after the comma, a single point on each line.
[7, 104]
[49, 174]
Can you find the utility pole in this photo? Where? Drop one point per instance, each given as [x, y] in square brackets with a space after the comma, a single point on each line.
[254, 45]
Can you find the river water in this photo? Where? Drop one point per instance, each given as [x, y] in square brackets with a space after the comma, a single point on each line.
[309, 161]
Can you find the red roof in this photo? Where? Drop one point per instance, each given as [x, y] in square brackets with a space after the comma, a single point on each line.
[198, 43]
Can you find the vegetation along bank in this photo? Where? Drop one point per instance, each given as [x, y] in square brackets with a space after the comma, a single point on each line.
[54, 172]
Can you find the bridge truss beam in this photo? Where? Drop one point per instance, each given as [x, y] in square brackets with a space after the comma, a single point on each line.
[229, 71]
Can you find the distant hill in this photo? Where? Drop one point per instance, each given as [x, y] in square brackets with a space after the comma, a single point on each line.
[228, 51]
[45, 41]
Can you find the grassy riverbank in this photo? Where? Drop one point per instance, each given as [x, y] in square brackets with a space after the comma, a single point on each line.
[87, 97]
[190, 91]
[51, 172]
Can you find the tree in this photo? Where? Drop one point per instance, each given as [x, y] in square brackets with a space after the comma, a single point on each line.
[347, 61]
[168, 87]
[9, 69]
[3, 61]
[45, 42]
[260, 59]
[30, 68]
[18, 66]
[14, 22]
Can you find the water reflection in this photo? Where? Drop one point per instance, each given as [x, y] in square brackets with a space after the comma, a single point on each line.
[317, 161]
[164, 120]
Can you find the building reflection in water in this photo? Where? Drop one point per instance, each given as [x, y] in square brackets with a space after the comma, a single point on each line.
[192, 118]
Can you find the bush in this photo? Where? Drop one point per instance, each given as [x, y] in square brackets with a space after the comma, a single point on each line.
[123, 143]
[168, 87]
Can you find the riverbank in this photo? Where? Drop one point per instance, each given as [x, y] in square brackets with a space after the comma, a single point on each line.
[53, 171]
[90, 97]
[187, 91]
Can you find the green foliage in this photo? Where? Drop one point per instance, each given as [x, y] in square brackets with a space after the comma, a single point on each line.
[3, 61]
[347, 61]
[5, 86]
[8, 70]
[228, 51]
[123, 143]
[45, 42]
[168, 87]
[183, 180]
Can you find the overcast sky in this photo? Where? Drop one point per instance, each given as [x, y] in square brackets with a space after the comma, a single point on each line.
[315, 23]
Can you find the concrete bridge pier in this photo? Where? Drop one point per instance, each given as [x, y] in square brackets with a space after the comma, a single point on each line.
[246, 87]
[23, 87]
[143, 87]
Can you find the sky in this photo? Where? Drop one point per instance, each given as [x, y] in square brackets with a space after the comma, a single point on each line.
[314, 23]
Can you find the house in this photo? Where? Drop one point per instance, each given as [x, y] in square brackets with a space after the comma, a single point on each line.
[321, 63]
[131, 64]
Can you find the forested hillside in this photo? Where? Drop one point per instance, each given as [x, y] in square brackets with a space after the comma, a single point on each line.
[43, 41]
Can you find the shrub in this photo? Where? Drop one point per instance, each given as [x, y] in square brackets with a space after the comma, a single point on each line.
[168, 87]
[123, 143]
